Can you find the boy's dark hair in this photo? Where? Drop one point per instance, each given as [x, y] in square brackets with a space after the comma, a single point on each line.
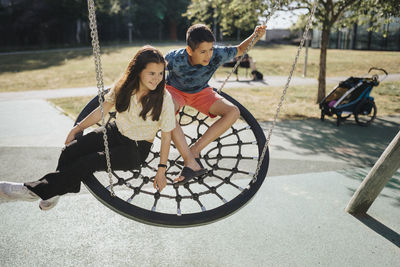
[197, 34]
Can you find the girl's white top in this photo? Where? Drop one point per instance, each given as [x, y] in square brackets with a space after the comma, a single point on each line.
[133, 126]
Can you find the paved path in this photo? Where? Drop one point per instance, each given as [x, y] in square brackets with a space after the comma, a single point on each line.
[232, 83]
[281, 81]
[296, 219]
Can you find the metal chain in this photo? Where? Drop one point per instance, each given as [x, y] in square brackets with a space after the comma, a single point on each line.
[284, 91]
[100, 84]
[248, 47]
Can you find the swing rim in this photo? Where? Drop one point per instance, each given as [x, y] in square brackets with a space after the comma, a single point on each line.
[191, 219]
[261, 168]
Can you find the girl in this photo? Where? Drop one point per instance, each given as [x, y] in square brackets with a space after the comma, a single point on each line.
[143, 107]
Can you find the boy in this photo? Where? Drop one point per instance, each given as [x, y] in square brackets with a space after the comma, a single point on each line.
[189, 70]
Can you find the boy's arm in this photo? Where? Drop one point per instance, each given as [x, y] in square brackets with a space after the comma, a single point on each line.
[260, 30]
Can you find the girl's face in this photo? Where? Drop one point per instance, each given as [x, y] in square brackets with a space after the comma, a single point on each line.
[151, 76]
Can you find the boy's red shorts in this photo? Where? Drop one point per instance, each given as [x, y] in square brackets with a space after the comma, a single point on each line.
[202, 101]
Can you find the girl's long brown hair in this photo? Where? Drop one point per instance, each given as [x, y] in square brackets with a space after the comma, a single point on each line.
[128, 84]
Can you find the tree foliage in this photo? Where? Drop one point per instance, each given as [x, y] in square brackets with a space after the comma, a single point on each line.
[343, 13]
[65, 22]
[39, 22]
[230, 15]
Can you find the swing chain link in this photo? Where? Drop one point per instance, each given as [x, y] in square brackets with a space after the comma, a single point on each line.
[100, 85]
[253, 39]
[305, 34]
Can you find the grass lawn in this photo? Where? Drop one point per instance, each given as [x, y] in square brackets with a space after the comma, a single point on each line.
[262, 101]
[75, 68]
[300, 101]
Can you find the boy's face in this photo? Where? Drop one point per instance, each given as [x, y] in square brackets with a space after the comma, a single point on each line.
[202, 54]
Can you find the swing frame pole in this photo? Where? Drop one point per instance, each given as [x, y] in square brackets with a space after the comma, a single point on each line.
[377, 178]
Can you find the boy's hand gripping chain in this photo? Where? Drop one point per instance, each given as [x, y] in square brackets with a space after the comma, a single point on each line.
[249, 46]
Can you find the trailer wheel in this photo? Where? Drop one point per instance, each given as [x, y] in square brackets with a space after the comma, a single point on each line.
[365, 112]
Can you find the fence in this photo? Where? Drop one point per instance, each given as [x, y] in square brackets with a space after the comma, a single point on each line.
[358, 37]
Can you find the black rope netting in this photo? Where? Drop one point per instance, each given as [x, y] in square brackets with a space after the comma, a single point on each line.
[230, 160]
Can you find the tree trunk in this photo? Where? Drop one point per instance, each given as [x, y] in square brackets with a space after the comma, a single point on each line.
[172, 25]
[322, 63]
[160, 31]
[369, 37]
[354, 45]
[215, 27]
[78, 31]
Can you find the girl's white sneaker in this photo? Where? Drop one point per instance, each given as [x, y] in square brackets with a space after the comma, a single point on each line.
[49, 203]
[16, 191]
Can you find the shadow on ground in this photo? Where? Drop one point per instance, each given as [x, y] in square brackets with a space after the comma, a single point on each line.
[38, 60]
[357, 146]
[379, 228]
[393, 184]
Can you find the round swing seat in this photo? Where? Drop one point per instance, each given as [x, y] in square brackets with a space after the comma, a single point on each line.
[231, 161]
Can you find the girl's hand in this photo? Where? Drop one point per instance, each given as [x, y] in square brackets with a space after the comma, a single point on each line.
[71, 135]
[160, 180]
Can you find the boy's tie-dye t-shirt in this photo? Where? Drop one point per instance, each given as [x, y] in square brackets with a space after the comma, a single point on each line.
[192, 79]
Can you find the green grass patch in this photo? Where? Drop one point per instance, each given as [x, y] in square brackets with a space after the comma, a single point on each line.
[71, 106]
[262, 102]
[69, 68]
[387, 98]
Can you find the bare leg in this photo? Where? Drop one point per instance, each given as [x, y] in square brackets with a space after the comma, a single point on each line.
[229, 114]
[180, 142]
[178, 137]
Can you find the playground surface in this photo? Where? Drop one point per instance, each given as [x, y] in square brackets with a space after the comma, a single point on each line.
[296, 219]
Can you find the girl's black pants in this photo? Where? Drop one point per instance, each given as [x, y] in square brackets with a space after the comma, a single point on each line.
[86, 155]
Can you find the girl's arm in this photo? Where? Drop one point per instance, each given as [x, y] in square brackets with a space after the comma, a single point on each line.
[260, 30]
[160, 180]
[92, 118]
